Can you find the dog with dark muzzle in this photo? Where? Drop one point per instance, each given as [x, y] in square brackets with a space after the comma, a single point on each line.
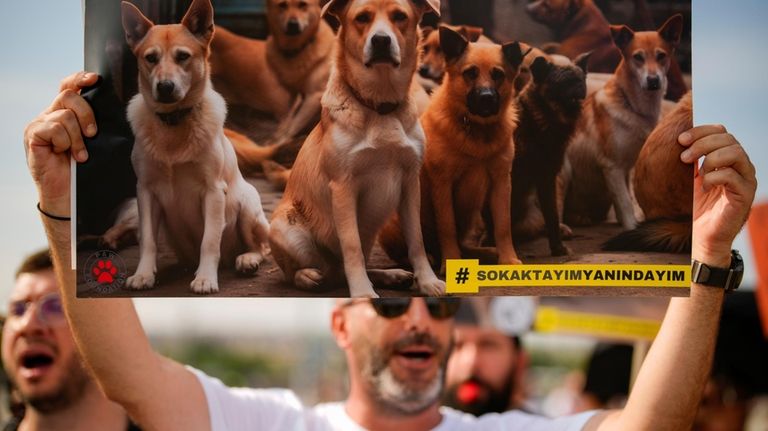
[469, 126]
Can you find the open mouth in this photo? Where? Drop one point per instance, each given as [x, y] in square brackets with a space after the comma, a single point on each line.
[34, 364]
[415, 357]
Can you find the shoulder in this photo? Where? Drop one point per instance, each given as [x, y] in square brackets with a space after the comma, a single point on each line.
[248, 408]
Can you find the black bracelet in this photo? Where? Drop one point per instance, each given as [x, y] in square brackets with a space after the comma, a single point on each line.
[49, 215]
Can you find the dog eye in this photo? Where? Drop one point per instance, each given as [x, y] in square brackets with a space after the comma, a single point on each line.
[639, 58]
[498, 75]
[151, 58]
[363, 18]
[181, 56]
[303, 5]
[661, 56]
[426, 49]
[399, 16]
[283, 5]
[471, 73]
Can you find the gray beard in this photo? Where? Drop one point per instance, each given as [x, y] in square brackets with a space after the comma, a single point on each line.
[69, 390]
[395, 396]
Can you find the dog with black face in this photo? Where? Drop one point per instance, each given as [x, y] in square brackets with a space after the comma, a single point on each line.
[361, 164]
[549, 109]
[469, 126]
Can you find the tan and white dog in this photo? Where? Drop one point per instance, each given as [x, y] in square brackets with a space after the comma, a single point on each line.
[188, 180]
[362, 162]
[615, 122]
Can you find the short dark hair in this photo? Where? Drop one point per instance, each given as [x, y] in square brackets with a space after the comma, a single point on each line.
[35, 262]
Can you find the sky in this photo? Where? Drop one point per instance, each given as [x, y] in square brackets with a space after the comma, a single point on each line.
[42, 43]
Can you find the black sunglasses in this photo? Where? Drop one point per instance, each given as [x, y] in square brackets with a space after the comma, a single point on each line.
[439, 308]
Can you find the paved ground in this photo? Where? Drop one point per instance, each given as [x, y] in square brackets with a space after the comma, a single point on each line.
[173, 280]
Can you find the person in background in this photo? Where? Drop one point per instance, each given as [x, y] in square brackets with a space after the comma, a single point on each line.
[43, 364]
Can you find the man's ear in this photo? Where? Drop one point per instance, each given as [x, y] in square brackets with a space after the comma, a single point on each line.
[199, 20]
[622, 35]
[452, 43]
[339, 327]
[672, 29]
[135, 24]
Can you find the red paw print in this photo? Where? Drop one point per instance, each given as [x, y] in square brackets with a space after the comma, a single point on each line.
[104, 272]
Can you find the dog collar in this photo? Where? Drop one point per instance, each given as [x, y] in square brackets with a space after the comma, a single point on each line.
[384, 108]
[173, 118]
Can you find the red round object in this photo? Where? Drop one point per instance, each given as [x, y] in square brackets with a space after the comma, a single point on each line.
[468, 392]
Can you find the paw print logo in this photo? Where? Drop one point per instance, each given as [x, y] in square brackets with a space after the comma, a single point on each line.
[104, 271]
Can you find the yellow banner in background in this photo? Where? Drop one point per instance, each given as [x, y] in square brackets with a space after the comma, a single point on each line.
[552, 319]
[468, 276]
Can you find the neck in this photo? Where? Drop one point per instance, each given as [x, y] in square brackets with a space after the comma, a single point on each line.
[91, 411]
[365, 411]
[174, 118]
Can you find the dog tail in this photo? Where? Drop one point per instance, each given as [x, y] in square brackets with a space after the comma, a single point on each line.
[249, 154]
[661, 235]
[276, 173]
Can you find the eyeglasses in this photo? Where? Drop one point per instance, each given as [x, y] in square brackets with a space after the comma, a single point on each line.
[48, 308]
[390, 308]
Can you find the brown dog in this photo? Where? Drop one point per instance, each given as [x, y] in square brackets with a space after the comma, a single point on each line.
[664, 189]
[361, 164]
[469, 127]
[615, 123]
[432, 65]
[268, 76]
[580, 27]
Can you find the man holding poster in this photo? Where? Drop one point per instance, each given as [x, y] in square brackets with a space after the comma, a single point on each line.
[396, 350]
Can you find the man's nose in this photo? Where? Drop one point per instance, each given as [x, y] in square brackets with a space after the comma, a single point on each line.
[418, 314]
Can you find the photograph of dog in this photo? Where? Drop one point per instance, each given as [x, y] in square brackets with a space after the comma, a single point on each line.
[188, 181]
[348, 148]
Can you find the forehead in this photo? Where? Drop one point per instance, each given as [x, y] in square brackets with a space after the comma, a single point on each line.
[33, 285]
[169, 36]
[380, 4]
[648, 41]
[483, 54]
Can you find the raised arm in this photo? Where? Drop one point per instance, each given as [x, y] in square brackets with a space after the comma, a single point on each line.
[668, 388]
[157, 392]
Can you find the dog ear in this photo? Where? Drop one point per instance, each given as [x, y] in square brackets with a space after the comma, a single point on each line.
[672, 29]
[199, 20]
[540, 69]
[471, 33]
[622, 35]
[135, 24]
[453, 44]
[513, 53]
[427, 6]
[334, 8]
[583, 60]
[426, 30]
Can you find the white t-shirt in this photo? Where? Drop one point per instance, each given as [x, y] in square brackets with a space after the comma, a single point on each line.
[246, 409]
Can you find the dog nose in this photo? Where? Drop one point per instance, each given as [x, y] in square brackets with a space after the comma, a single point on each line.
[165, 91]
[424, 71]
[654, 82]
[293, 28]
[484, 102]
[381, 42]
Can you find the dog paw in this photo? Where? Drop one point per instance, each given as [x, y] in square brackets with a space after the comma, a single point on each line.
[565, 231]
[561, 250]
[202, 285]
[390, 277]
[431, 286]
[308, 278]
[248, 263]
[140, 281]
[362, 290]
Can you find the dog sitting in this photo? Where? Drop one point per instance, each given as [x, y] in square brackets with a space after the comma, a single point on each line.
[549, 109]
[580, 27]
[469, 127]
[188, 180]
[615, 123]
[284, 76]
[663, 186]
[361, 162]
